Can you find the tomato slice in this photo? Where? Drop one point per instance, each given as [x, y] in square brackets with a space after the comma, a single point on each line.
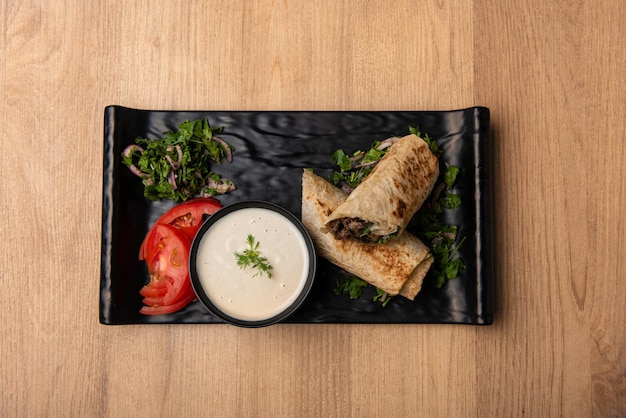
[165, 250]
[160, 310]
[187, 217]
[167, 254]
[167, 296]
[149, 291]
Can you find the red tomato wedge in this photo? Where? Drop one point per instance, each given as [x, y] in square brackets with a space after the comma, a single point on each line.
[187, 217]
[165, 250]
[160, 310]
[167, 255]
[150, 291]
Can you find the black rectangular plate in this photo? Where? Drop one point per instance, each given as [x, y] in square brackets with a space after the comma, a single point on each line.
[271, 149]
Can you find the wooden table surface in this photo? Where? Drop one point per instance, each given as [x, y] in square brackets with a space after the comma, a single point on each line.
[553, 75]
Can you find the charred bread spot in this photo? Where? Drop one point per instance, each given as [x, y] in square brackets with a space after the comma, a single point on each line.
[400, 209]
[397, 183]
[324, 208]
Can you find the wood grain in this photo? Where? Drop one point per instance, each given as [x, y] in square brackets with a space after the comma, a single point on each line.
[553, 75]
[558, 114]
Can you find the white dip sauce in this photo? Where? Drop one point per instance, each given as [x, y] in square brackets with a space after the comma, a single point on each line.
[238, 292]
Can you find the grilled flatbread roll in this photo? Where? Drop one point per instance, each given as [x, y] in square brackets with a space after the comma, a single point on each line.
[381, 206]
[397, 267]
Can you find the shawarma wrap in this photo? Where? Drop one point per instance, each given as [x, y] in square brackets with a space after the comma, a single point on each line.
[397, 267]
[381, 207]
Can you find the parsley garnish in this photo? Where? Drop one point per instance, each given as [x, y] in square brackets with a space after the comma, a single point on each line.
[432, 144]
[354, 168]
[441, 237]
[252, 257]
[353, 286]
[382, 297]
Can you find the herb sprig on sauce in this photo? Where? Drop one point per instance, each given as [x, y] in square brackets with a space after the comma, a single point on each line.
[251, 257]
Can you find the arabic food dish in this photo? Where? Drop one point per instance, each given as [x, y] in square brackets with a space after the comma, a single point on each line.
[380, 208]
[396, 267]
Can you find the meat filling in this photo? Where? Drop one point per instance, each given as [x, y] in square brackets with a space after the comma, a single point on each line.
[357, 229]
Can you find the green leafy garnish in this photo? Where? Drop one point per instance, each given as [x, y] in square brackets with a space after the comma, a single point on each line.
[353, 169]
[177, 166]
[432, 144]
[451, 201]
[449, 176]
[342, 160]
[447, 265]
[441, 237]
[252, 257]
[351, 285]
[382, 297]
[354, 286]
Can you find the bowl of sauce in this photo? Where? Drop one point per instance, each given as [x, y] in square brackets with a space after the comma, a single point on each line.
[252, 264]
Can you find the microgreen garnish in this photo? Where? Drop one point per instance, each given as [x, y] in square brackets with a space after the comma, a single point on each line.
[252, 257]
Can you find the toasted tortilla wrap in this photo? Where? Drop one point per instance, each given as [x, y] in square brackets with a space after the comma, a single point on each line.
[381, 206]
[397, 267]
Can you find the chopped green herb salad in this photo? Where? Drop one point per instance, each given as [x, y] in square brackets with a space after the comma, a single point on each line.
[177, 166]
[427, 224]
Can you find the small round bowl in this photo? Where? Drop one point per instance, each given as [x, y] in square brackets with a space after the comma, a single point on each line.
[244, 295]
